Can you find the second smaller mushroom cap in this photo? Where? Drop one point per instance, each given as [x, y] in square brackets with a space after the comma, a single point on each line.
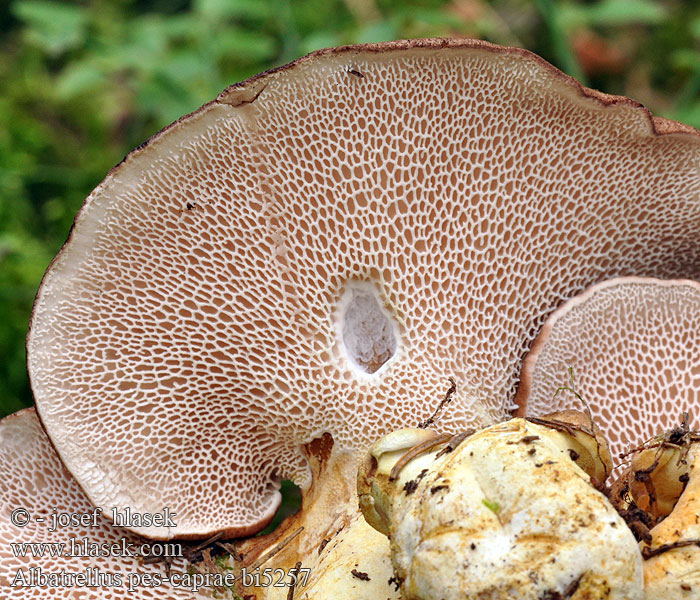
[634, 346]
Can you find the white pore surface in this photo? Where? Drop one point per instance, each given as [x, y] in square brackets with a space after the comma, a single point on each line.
[635, 349]
[32, 478]
[185, 341]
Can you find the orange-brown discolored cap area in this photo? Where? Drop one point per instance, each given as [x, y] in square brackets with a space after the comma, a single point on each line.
[84, 557]
[634, 345]
[320, 248]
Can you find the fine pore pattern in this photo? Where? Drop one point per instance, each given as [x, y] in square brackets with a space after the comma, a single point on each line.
[634, 346]
[189, 338]
[33, 479]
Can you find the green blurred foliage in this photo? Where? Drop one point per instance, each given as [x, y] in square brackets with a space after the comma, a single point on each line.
[83, 82]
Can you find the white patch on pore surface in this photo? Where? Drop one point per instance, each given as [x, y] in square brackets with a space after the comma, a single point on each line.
[368, 334]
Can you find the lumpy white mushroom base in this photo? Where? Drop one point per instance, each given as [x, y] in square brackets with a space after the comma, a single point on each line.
[675, 574]
[504, 516]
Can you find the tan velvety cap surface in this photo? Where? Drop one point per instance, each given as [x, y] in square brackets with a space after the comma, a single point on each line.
[321, 247]
[634, 344]
[33, 479]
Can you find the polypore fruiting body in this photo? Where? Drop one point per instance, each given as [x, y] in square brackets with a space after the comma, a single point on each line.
[672, 567]
[587, 447]
[633, 344]
[374, 481]
[333, 536]
[94, 562]
[506, 514]
[658, 478]
[317, 252]
[352, 563]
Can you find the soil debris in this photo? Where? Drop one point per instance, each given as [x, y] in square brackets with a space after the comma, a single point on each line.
[360, 575]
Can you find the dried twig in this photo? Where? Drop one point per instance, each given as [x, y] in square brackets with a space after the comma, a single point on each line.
[648, 553]
[415, 451]
[572, 388]
[206, 543]
[276, 550]
[455, 441]
[231, 549]
[444, 402]
[294, 571]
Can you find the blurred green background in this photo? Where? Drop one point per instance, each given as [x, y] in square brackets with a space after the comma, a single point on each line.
[84, 82]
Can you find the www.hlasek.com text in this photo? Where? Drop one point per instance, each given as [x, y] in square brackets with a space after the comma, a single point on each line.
[83, 547]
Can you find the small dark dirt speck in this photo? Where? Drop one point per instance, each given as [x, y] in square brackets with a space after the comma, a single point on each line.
[532, 450]
[360, 575]
[437, 488]
[422, 474]
[324, 543]
[528, 439]
[395, 582]
[685, 587]
[573, 454]
[410, 486]
[472, 546]
[569, 591]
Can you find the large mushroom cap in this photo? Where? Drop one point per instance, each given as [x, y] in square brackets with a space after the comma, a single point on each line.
[634, 345]
[320, 248]
[34, 485]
